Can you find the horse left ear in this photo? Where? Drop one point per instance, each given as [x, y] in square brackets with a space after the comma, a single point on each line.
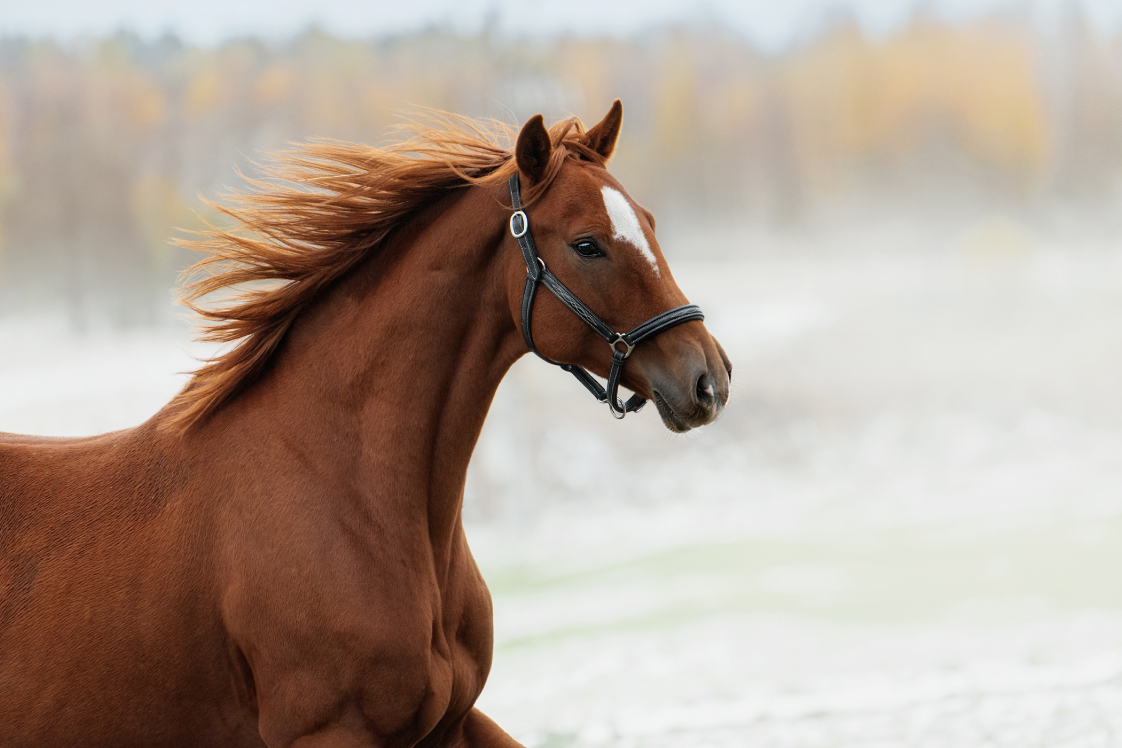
[602, 138]
[533, 148]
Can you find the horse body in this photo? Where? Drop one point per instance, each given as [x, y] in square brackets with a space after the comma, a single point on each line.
[317, 543]
[117, 571]
[292, 569]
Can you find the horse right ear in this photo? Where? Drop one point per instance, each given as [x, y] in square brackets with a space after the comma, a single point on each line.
[602, 138]
[533, 149]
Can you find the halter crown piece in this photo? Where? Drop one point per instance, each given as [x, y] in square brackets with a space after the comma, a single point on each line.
[622, 344]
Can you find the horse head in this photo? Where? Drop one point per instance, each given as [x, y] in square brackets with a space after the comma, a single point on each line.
[601, 245]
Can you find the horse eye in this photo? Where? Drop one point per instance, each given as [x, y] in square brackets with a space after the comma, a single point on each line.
[587, 248]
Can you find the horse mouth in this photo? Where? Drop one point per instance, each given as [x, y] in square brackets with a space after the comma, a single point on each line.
[670, 419]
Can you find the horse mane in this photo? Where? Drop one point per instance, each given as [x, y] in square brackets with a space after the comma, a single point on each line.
[315, 213]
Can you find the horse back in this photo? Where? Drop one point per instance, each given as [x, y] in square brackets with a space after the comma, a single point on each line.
[104, 591]
[57, 494]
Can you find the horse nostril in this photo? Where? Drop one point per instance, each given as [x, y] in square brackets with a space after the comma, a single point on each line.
[705, 391]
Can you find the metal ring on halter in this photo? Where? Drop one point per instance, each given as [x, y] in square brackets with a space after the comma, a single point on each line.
[525, 224]
[620, 339]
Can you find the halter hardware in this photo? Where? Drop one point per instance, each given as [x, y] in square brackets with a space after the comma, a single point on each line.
[521, 215]
[537, 273]
[628, 347]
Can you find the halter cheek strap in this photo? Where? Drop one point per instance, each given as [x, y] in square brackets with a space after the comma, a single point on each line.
[622, 344]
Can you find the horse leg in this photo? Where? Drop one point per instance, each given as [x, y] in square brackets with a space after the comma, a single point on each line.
[477, 730]
[335, 737]
[480, 731]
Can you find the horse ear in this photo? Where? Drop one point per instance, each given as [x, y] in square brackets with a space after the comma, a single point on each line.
[533, 149]
[602, 138]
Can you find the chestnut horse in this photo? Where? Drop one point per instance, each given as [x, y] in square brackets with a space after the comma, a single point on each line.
[277, 557]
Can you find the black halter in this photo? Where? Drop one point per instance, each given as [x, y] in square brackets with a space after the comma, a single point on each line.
[537, 272]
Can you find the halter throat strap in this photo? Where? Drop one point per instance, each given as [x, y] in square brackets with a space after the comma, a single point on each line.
[622, 344]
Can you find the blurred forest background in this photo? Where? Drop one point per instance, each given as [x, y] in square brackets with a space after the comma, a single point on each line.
[106, 144]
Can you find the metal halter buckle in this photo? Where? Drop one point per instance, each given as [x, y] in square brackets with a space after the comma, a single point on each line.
[620, 339]
[525, 224]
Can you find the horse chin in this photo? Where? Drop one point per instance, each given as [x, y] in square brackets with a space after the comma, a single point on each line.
[670, 418]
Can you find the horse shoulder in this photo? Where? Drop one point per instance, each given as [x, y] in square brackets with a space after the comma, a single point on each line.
[331, 624]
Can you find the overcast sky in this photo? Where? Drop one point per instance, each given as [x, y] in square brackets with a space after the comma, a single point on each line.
[772, 24]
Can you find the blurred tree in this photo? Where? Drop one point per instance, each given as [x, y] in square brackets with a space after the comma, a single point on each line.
[105, 145]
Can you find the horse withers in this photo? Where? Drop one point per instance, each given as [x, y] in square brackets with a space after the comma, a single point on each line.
[277, 557]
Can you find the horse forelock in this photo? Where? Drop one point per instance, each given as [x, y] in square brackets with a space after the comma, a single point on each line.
[315, 213]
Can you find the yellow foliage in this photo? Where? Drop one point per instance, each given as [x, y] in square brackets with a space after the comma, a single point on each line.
[206, 92]
[977, 87]
[275, 85]
[124, 97]
[157, 209]
[7, 170]
[675, 102]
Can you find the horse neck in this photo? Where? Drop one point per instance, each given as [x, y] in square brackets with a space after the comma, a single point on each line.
[383, 386]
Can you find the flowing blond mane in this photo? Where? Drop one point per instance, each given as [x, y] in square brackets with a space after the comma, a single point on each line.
[314, 215]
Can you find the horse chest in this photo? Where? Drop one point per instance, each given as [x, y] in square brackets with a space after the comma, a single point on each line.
[407, 654]
[458, 657]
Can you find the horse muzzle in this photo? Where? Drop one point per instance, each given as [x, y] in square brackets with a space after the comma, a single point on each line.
[694, 390]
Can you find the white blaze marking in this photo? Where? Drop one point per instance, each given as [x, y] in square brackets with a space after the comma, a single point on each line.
[625, 224]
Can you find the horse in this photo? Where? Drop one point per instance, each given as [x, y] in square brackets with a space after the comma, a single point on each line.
[277, 557]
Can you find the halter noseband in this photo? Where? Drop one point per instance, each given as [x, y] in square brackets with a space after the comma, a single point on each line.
[537, 272]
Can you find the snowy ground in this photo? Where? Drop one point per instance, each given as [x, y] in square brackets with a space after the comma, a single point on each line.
[906, 530]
